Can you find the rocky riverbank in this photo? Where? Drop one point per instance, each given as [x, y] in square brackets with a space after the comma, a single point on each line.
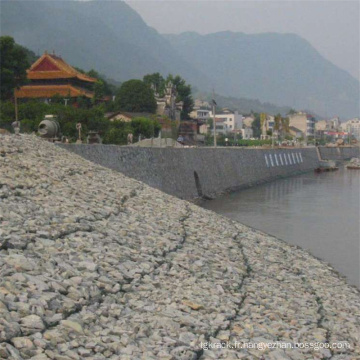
[96, 265]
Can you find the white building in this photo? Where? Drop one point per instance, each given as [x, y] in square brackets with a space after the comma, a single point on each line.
[201, 114]
[221, 127]
[232, 120]
[352, 127]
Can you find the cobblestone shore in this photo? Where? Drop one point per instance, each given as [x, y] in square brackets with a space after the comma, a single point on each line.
[95, 265]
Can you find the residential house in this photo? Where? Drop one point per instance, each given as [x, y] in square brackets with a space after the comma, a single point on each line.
[201, 115]
[304, 122]
[267, 125]
[329, 128]
[127, 116]
[352, 126]
[232, 120]
[221, 127]
[295, 132]
[247, 133]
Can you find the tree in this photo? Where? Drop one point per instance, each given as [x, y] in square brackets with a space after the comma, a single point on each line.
[285, 125]
[99, 91]
[184, 94]
[13, 66]
[117, 133]
[210, 122]
[277, 122]
[102, 86]
[135, 96]
[256, 126]
[145, 127]
[157, 81]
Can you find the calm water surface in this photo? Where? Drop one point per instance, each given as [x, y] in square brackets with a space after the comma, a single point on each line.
[318, 212]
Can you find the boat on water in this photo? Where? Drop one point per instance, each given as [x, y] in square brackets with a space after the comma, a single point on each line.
[354, 164]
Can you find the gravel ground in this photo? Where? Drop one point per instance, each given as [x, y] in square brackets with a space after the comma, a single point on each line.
[95, 265]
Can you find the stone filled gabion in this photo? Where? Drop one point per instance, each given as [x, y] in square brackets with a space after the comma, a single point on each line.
[95, 265]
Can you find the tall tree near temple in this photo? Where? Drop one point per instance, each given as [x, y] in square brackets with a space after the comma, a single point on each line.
[157, 81]
[135, 96]
[13, 65]
[184, 94]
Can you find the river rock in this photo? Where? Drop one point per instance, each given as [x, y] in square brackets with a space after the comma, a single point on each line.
[105, 267]
[31, 324]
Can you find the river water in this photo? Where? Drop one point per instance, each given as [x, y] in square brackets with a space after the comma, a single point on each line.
[318, 212]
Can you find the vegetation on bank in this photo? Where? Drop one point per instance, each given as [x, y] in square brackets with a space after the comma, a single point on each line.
[32, 113]
[223, 140]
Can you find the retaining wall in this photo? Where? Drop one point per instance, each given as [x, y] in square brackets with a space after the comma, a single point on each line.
[192, 172]
[338, 153]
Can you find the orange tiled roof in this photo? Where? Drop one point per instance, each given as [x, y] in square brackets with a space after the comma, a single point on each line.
[48, 91]
[50, 66]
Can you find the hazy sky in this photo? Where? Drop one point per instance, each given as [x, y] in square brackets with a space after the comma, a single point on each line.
[332, 27]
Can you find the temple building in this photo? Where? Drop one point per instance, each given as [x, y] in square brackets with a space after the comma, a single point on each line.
[167, 105]
[50, 75]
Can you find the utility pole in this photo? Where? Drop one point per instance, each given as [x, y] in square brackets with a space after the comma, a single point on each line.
[16, 107]
[16, 123]
[214, 119]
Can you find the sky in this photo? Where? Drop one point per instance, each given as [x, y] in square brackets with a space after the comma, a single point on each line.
[331, 26]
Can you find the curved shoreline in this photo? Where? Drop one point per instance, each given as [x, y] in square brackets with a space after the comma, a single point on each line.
[95, 264]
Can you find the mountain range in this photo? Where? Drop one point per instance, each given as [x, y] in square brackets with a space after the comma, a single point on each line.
[112, 38]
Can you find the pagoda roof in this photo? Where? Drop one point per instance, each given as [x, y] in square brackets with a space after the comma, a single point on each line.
[48, 91]
[51, 66]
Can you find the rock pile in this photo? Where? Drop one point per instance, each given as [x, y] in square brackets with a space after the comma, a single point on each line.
[95, 265]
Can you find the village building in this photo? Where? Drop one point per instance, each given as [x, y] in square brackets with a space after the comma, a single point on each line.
[127, 116]
[232, 119]
[247, 133]
[221, 127]
[304, 122]
[352, 127]
[295, 132]
[201, 115]
[51, 76]
[267, 126]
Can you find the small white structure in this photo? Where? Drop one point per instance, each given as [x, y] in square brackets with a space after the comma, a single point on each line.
[232, 120]
[247, 133]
